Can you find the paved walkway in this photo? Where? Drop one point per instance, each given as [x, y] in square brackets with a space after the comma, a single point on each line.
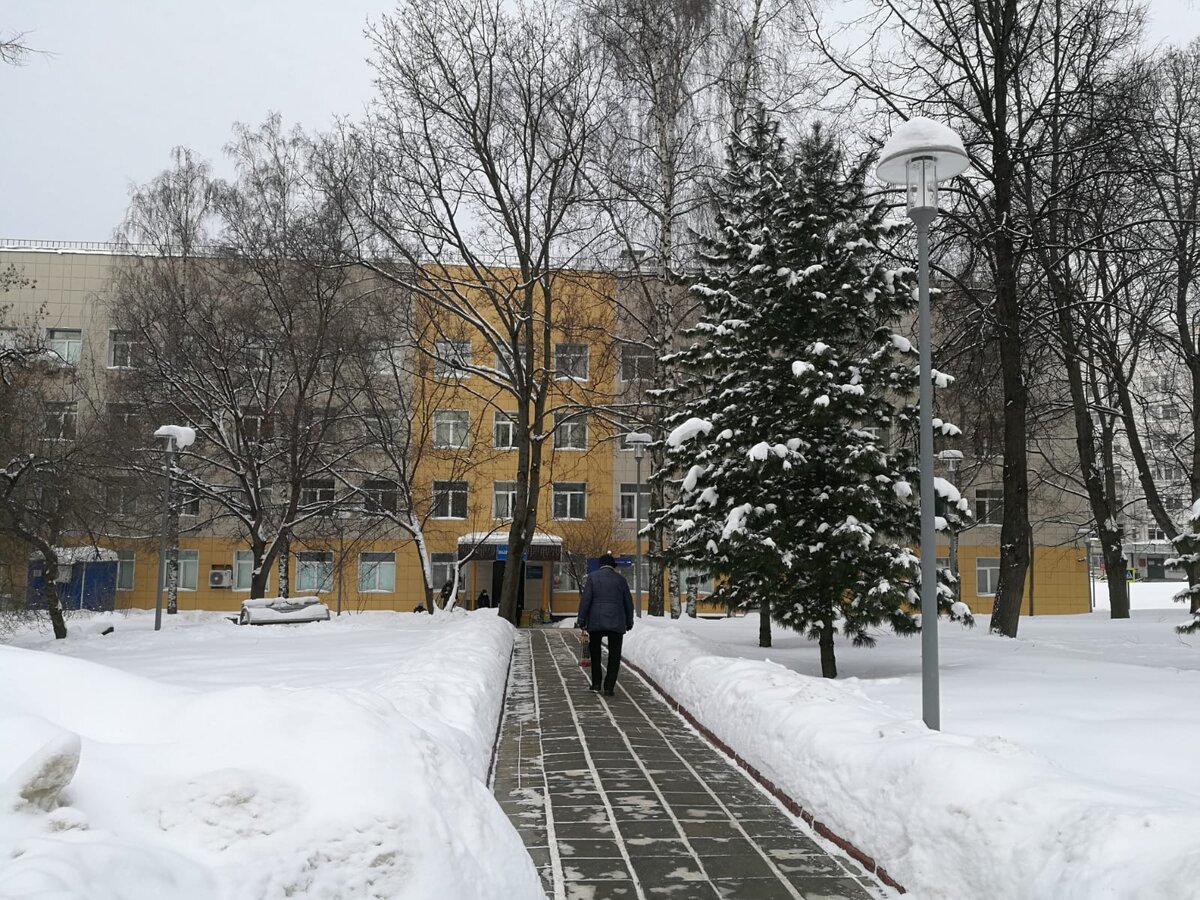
[617, 797]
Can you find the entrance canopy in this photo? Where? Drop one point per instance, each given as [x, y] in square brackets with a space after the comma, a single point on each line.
[484, 545]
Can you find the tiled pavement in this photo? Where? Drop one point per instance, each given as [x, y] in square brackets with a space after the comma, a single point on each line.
[617, 797]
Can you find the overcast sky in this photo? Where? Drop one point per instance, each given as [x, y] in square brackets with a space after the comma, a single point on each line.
[127, 80]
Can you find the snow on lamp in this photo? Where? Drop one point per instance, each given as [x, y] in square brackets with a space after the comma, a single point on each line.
[919, 154]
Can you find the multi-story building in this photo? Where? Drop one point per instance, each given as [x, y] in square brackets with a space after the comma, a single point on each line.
[589, 497]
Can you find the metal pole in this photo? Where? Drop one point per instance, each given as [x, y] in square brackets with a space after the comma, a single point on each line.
[637, 505]
[930, 707]
[162, 540]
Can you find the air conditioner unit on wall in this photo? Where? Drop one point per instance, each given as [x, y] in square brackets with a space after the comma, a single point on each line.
[220, 578]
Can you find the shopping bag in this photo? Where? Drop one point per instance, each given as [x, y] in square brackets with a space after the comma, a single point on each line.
[585, 654]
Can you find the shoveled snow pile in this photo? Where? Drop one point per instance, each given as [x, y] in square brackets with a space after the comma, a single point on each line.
[345, 759]
[1063, 773]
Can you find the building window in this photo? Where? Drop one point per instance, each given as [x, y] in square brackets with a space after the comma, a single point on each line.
[66, 344]
[1174, 503]
[504, 499]
[1168, 473]
[314, 570]
[256, 426]
[121, 497]
[384, 359]
[989, 506]
[629, 494]
[189, 569]
[637, 362]
[504, 431]
[258, 355]
[124, 415]
[570, 500]
[881, 434]
[1155, 534]
[571, 361]
[442, 566]
[449, 499]
[450, 429]
[570, 431]
[120, 349]
[378, 424]
[243, 569]
[61, 421]
[452, 358]
[987, 575]
[317, 492]
[377, 572]
[380, 496]
[704, 581]
[569, 572]
[188, 500]
[126, 561]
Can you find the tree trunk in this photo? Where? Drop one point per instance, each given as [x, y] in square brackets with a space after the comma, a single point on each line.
[1015, 531]
[50, 589]
[262, 570]
[828, 662]
[284, 561]
[173, 560]
[654, 590]
[764, 621]
[1118, 587]
[673, 588]
[1193, 576]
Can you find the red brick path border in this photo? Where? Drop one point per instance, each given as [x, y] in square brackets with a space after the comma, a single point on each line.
[792, 806]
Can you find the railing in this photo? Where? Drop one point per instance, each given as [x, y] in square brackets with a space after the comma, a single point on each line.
[606, 262]
[74, 246]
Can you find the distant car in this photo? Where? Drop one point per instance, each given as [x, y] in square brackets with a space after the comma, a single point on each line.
[282, 610]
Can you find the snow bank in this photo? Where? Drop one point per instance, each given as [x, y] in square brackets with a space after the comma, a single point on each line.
[342, 760]
[949, 816]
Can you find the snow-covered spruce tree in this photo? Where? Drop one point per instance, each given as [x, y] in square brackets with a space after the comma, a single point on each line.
[788, 485]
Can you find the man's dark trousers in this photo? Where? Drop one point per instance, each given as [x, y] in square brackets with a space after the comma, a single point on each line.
[615, 639]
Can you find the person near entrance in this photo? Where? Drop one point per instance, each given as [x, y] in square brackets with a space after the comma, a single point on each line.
[606, 611]
[483, 601]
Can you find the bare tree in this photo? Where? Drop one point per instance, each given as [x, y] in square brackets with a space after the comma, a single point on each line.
[14, 50]
[246, 318]
[988, 69]
[48, 485]
[468, 178]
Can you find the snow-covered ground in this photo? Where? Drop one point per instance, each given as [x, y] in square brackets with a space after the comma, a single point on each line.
[1065, 769]
[342, 759]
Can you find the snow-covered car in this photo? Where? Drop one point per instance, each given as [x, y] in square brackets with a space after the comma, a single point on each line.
[282, 610]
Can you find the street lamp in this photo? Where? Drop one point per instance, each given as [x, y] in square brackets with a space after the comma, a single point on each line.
[638, 441]
[919, 154]
[178, 437]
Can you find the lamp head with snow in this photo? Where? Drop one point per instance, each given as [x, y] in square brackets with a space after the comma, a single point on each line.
[182, 435]
[638, 441]
[919, 154]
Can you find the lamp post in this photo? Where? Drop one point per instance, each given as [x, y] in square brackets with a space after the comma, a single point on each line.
[638, 441]
[920, 153]
[178, 437]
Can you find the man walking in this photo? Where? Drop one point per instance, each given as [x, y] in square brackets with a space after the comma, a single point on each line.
[606, 611]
